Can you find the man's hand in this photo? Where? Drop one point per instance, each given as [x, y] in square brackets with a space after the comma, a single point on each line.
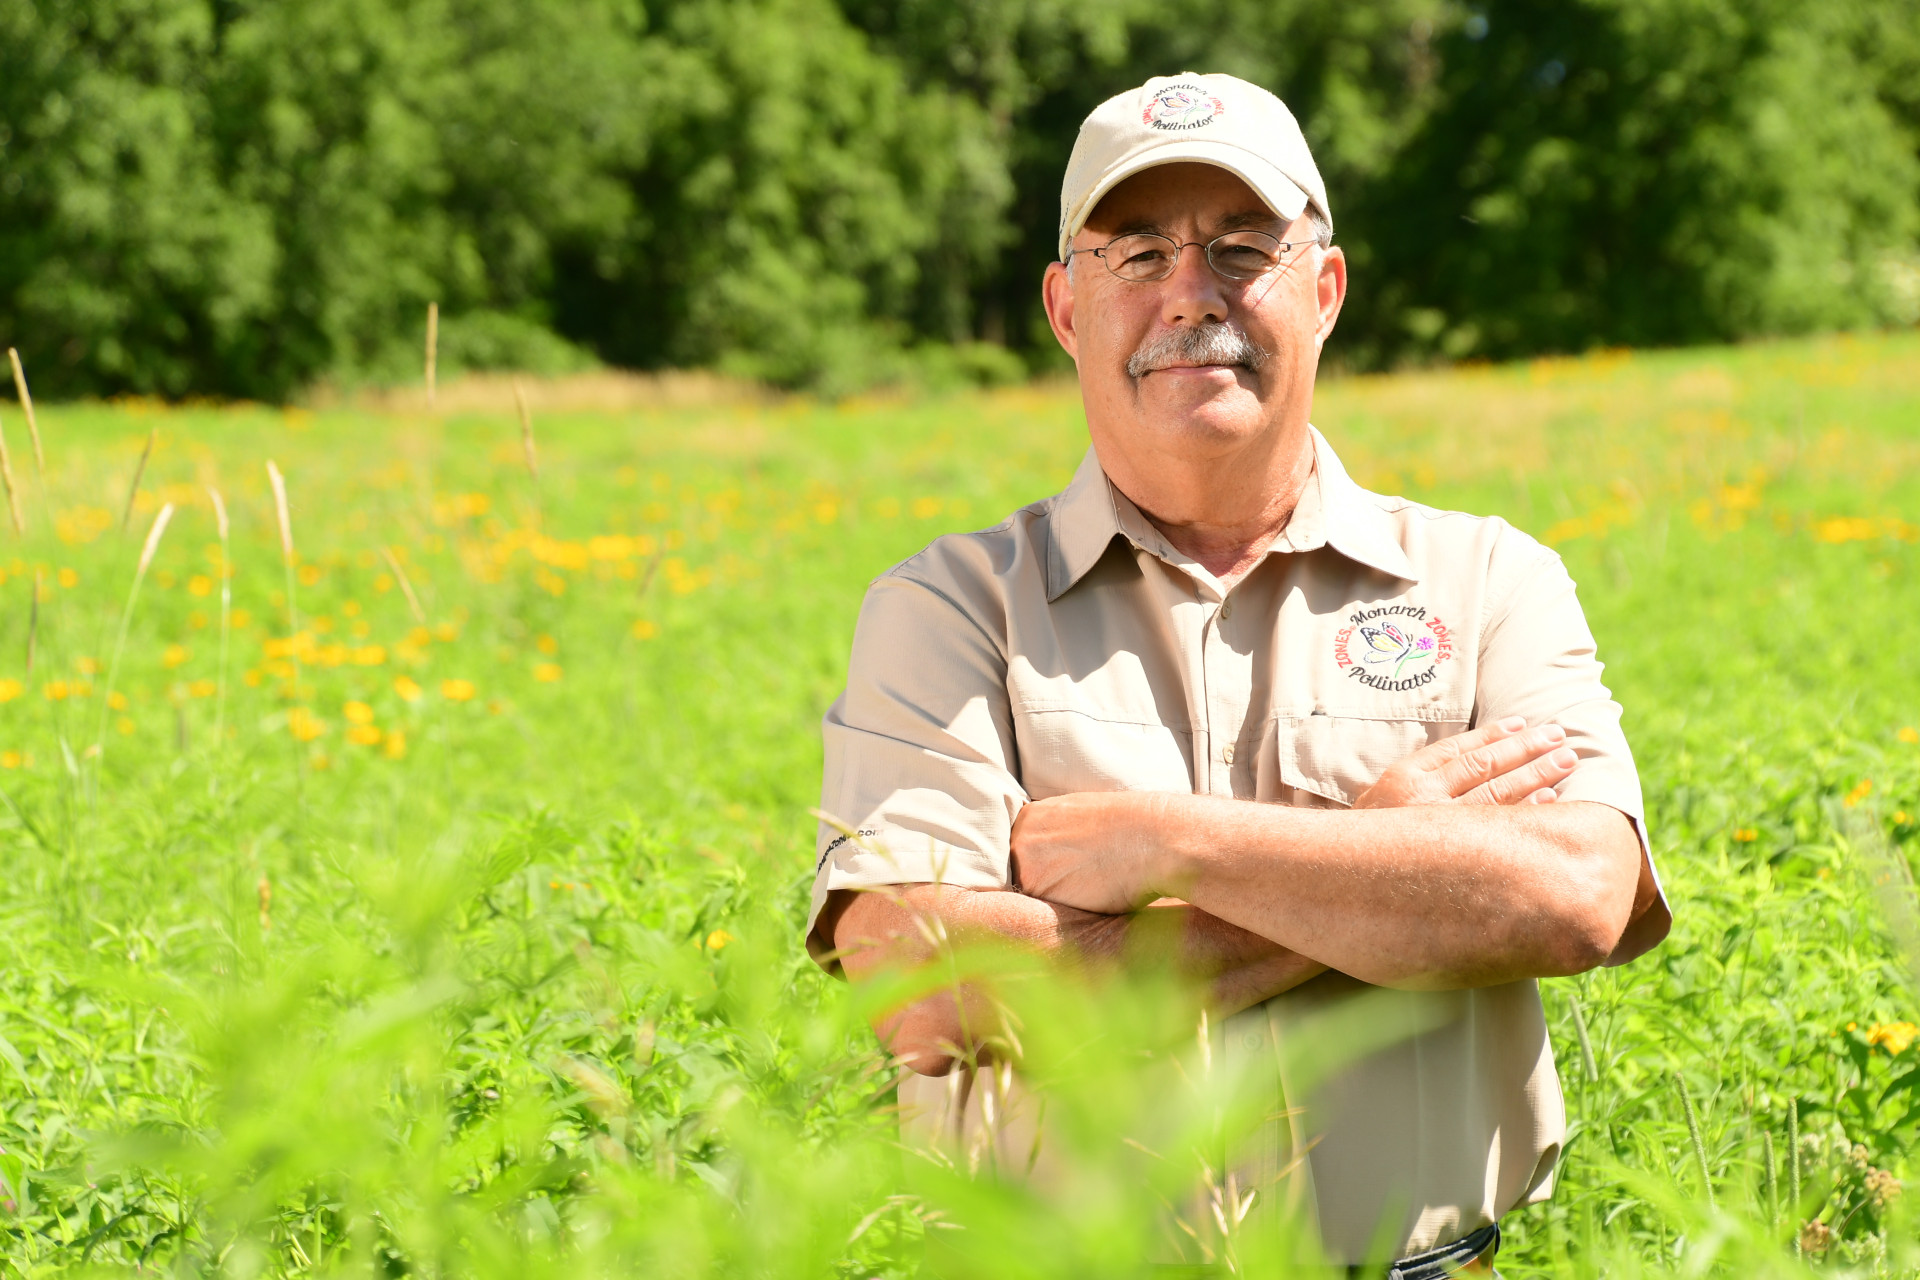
[897, 928]
[1103, 851]
[1501, 763]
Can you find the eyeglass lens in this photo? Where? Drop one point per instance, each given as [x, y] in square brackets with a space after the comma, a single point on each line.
[1238, 255]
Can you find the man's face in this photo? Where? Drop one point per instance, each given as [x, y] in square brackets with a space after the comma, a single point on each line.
[1252, 375]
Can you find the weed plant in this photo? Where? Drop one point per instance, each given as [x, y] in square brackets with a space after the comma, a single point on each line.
[421, 895]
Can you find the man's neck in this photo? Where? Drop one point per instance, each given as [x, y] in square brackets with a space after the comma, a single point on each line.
[1224, 513]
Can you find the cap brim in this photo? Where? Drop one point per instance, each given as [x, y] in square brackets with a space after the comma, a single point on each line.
[1282, 194]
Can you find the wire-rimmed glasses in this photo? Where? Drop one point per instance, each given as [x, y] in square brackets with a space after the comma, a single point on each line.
[1144, 256]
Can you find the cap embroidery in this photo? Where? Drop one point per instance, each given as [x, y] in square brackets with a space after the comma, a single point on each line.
[1182, 106]
[1399, 647]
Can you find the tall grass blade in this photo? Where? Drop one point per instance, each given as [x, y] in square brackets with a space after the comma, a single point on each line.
[433, 348]
[1773, 1180]
[26, 407]
[1587, 1062]
[13, 494]
[226, 614]
[406, 586]
[147, 552]
[1693, 1133]
[526, 431]
[279, 484]
[139, 472]
[1793, 1166]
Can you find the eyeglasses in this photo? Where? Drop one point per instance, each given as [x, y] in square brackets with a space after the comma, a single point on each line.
[1238, 255]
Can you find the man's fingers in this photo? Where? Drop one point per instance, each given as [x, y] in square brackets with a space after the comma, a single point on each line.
[1502, 756]
[1524, 784]
[1448, 750]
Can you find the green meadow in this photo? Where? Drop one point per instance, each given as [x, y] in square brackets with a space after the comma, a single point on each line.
[427, 902]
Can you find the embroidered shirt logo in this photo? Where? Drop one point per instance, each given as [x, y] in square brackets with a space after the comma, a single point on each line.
[1393, 648]
[1182, 106]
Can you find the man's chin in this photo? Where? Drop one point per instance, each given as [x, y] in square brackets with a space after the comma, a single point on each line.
[1214, 400]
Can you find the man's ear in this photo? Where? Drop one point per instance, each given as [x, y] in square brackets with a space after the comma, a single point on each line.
[1332, 290]
[1056, 293]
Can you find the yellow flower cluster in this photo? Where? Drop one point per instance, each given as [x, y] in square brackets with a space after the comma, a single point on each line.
[1894, 1037]
[1861, 529]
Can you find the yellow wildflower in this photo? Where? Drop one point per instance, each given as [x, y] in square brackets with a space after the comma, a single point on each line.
[1908, 734]
[369, 655]
[457, 690]
[547, 644]
[365, 735]
[10, 689]
[68, 578]
[1746, 835]
[199, 585]
[357, 713]
[926, 508]
[304, 725]
[124, 725]
[407, 688]
[117, 700]
[241, 618]
[1901, 817]
[718, 939]
[396, 744]
[87, 666]
[309, 576]
[446, 633]
[252, 677]
[203, 688]
[1894, 1037]
[547, 672]
[12, 760]
[645, 629]
[1859, 793]
[175, 654]
[351, 608]
[54, 690]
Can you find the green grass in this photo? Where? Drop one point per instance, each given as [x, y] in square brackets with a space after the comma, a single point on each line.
[471, 947]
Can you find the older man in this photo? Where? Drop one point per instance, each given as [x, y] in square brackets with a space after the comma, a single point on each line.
[1352, 741]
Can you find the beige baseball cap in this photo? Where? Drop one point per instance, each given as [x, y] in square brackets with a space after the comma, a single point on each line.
[1212, 119]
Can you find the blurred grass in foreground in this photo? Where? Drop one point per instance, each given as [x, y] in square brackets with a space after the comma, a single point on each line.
[471, 946]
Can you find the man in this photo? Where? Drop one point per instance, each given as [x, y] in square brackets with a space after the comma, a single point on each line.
[1351, 741]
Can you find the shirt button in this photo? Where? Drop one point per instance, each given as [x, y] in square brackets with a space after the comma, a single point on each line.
[1226, 608]
[1226, 753]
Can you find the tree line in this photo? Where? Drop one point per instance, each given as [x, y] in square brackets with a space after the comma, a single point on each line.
[240, 197]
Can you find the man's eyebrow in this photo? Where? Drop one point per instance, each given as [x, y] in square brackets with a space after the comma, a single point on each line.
[1248, 219]
[1261, 219]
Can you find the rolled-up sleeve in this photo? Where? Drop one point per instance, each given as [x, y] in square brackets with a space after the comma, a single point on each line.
[1538, 660]
[919, 781]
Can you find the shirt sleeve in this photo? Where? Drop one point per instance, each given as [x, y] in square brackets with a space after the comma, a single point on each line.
[1538, 660]
[919, 783]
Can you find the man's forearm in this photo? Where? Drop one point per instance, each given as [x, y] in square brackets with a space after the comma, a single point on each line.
[1428, 896]
[888, 927]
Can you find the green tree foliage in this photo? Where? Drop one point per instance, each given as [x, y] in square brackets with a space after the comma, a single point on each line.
[240, 196]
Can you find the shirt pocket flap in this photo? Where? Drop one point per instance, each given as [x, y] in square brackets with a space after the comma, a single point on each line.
[1339, 757]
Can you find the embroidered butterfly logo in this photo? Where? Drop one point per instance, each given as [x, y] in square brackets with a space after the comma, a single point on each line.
[1389, 643]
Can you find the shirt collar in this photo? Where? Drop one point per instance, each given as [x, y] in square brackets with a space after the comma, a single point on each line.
[1333, 511]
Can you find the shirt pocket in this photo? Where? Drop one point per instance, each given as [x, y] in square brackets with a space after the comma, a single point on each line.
[1325, 761]
[1062, 752]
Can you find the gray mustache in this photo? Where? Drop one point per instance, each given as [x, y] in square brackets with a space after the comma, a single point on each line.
[1213, 342]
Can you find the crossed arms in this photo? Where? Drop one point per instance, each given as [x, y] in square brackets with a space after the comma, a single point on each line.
[1455, 869]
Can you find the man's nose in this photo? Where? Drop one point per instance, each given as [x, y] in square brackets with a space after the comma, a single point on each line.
[1193, 294]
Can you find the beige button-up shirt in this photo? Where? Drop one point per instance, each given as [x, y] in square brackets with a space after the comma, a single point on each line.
[1072, 648]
